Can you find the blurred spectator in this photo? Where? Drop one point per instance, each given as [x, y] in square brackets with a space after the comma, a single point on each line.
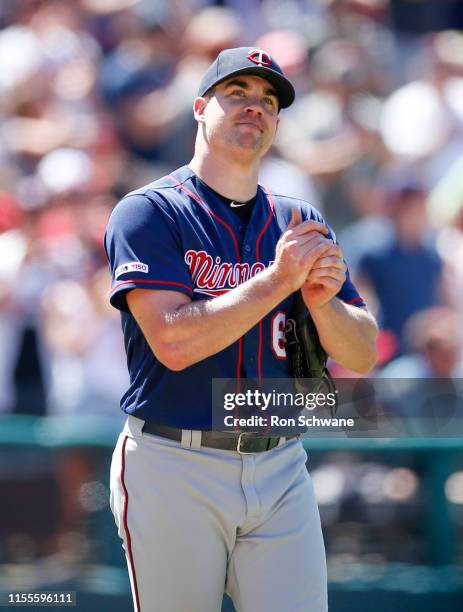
[88, 372]
[434, 343]
[445, 206]
[332, 129]
[405, 274]
[424, 384]
[149, 80]
[23, 274]
[431, 15]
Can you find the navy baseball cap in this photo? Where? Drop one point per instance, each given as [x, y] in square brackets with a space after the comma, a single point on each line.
[246, 60]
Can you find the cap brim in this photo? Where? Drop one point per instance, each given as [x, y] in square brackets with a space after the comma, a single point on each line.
[284, 88]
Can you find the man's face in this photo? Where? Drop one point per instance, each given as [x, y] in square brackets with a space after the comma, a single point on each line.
[241, 117]
[410, 217]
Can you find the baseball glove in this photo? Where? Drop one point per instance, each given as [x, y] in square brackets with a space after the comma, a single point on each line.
[306, 356]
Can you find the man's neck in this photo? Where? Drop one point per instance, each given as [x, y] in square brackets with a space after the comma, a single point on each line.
[231, 180]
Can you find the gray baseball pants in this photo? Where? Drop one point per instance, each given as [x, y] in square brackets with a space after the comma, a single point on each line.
[197, 521]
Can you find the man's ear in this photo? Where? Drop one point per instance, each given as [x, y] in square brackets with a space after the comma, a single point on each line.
[199, 106]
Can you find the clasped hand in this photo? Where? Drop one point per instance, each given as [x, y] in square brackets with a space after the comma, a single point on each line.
[310, 261]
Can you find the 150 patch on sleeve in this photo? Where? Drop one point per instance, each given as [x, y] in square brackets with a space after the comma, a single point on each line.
[134, 266]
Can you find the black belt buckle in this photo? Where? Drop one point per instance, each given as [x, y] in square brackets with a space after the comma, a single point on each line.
[239, 444]
[242, 443]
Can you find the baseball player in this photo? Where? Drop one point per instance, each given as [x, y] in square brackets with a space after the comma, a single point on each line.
[205, 263]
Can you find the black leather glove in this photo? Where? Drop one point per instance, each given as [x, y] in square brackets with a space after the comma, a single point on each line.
[306, 356]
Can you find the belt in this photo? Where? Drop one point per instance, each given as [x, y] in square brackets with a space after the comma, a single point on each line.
[246, 443]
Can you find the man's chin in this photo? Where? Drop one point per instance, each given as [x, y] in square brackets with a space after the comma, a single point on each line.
[249, 144]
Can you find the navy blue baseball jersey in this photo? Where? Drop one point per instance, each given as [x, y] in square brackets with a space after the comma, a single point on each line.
[178, 234]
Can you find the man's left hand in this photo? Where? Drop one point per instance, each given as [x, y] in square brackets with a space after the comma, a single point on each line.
[325, 278]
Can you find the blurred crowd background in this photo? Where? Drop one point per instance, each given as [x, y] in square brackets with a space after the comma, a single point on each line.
[95, 100]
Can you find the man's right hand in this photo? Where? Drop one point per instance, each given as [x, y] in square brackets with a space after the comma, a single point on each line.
[302, 244]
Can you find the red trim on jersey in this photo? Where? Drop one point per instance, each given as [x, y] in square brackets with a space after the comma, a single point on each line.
[212, 292]
[259, 237]
[198, 199]
[151, 282]
[236, 412]
[126, 528]
[240, 360]
[357, 299]
[267, 223]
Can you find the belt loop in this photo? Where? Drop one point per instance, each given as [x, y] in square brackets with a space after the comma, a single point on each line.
[196, 439]
[186, 438]
[134, 426]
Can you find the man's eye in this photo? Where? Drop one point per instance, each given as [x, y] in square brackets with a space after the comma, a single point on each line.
[269, 101]
[238, 92]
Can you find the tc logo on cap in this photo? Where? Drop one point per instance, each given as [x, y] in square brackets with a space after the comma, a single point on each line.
[259, 57]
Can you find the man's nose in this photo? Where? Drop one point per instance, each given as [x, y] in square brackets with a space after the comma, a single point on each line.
[254, 106]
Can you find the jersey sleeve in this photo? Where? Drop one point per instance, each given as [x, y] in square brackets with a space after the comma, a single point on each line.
[144, 250]
[348, 292]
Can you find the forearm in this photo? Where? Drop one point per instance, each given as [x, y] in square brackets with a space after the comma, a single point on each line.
[197, 330]
[347, 333]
